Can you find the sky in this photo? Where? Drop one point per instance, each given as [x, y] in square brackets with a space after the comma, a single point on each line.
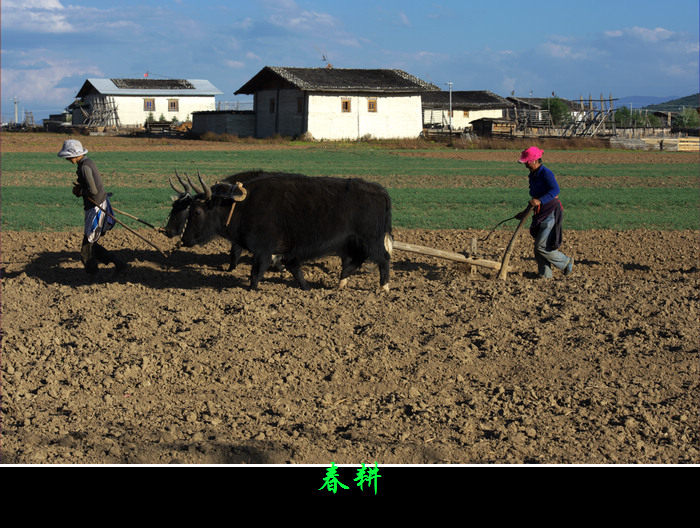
[617, 48]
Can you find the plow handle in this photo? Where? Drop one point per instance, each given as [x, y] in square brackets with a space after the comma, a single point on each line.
[506, 257]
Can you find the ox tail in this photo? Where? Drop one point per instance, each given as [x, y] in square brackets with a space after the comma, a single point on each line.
[389, 243]
[388, 236]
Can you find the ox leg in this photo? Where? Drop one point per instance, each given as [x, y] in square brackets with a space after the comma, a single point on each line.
[294, 268]
[384, 274]
[235, 256]
[260, 265]
[350, 265]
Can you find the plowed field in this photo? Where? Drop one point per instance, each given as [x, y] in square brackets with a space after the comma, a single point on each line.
[175, 361]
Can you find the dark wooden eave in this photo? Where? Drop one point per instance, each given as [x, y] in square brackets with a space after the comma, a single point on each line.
[466, 100]
[336, 80]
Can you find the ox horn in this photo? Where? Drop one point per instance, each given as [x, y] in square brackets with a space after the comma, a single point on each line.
[193, 185]
[243, 195]
[207, 189]
[185, 187]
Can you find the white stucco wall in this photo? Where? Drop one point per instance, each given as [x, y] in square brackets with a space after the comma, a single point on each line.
[397, 116]
[459, 120]
[131, 109]
[295, 112]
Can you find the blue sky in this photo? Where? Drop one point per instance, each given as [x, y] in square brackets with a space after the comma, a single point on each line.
[613, 47]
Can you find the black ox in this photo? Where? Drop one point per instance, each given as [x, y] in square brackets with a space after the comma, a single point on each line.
[299, 218]
[177, 219]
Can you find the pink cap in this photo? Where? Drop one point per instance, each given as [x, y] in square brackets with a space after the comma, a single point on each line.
[531, 154]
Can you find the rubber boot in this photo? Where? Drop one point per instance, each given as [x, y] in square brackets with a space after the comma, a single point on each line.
[108, 257]
[88, 257]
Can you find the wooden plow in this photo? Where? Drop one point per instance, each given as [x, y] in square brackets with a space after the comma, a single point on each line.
[501, 267]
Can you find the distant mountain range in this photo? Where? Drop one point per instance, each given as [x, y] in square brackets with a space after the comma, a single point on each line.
[672, 103]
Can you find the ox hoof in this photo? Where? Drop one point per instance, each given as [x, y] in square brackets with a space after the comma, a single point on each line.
[342, 284]
[385, 288]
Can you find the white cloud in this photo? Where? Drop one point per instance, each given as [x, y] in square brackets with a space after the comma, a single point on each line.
[613, 33]
[303, 20]
[246, 23]
[34, 4]
[37, 79]
[350, 43]
[559, 51]
[652, 35]
[644, 34]
[38, 16]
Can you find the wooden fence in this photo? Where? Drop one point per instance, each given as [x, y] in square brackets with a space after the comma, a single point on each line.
[688, 144]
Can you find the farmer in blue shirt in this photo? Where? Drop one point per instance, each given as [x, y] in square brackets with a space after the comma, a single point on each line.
[547, 218]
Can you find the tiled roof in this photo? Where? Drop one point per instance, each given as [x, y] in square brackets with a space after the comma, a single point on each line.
[336, 80]
[153, 84]
[467, 100]
[153, 87]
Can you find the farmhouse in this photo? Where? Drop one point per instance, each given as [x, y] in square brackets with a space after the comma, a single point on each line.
[466, 106]
[131, 102]
[336, 103]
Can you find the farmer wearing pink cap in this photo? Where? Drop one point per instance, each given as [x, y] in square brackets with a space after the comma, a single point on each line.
[96, 205]
[546, 227]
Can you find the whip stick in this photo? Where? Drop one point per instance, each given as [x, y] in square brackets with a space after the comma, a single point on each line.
[127, 227]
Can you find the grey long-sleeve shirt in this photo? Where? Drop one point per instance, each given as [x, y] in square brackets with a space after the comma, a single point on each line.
[91, 183]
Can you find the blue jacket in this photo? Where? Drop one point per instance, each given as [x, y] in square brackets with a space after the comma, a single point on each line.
[543, 185]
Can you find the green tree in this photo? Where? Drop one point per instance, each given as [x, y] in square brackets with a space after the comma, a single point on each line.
[689, 118]
[654, 120]
[558, 110]
[624, 117]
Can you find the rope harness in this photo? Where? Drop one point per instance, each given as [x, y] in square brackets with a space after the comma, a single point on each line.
[499, 223]
[236, 199]
[207, 191]
[230, 194]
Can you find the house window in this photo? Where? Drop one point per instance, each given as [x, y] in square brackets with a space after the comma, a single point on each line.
[149, 105]
[466, 113]
[345, 105]
[173, 105]
[372, 104]
[272, 106]
[300, 105]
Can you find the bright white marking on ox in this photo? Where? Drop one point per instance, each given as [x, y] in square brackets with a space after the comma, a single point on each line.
[388, 243]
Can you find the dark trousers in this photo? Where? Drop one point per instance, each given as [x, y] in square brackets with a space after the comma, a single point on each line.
[92, 254]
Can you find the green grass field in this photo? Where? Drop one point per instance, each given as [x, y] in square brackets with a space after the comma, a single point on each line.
[427, 192]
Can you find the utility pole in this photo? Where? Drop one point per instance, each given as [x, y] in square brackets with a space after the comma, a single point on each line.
[450, 85]
[16, 100]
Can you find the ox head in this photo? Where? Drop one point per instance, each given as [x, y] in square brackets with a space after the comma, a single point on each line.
[177, 219]
[210, 212]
